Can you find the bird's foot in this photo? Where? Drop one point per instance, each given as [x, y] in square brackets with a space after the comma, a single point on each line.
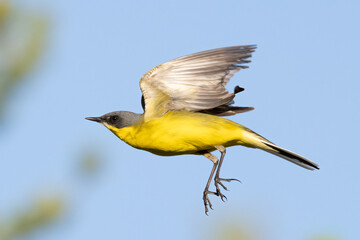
[218, 182]
[207, 200]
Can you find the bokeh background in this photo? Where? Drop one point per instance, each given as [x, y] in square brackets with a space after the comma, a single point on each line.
[62, 177]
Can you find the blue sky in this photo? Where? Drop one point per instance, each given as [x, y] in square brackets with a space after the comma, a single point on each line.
[303, 82]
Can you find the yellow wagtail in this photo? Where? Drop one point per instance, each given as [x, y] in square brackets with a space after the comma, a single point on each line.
[183, 101]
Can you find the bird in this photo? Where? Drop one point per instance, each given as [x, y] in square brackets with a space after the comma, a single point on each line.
[185, 101]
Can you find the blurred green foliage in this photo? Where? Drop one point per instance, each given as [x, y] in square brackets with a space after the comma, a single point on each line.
[233, 232]
[230, 227]
[90, 162]
[325, 237]
[43, 212]
[22, 40]
[4, 12]
[234, 228]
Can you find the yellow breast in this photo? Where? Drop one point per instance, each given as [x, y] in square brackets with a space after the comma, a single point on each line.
[181, 132]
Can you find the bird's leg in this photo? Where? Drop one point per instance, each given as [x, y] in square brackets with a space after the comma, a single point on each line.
[217, 179]
[206, 190]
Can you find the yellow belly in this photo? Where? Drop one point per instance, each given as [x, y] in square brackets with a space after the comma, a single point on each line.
[182, 132]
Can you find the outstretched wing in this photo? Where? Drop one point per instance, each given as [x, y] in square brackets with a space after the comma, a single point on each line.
[194, 82]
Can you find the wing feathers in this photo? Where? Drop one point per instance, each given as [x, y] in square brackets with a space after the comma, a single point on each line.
[194, 82]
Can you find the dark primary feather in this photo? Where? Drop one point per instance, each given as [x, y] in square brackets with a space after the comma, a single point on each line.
[227, 109]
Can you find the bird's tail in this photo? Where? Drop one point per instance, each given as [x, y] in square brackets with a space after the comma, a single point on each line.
[290, 156]
[252, 139]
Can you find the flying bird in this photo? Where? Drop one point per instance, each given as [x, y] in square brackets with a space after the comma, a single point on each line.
[184, 101]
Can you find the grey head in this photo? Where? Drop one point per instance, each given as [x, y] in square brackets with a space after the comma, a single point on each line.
[118, 119]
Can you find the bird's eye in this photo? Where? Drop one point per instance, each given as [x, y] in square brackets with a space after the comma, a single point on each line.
[113, 118]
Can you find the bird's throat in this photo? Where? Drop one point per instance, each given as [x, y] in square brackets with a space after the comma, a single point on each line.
[126, 134]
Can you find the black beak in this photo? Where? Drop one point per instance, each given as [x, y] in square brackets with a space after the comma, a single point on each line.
[95, 119]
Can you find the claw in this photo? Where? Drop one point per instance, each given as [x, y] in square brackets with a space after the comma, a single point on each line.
[229, 179]
[222, 196]
[210, 206]
[221, 184]
[218, 182]
[207, 201]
